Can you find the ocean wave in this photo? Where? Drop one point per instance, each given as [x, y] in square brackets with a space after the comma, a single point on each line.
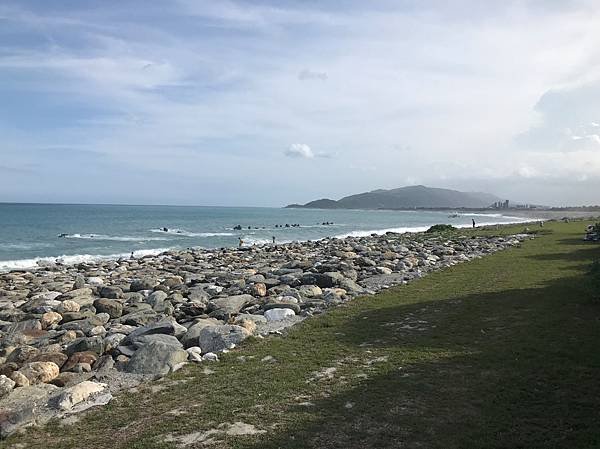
[283, 228]
[400, 230]
[262, 241]
[116, 238]
[26, 264]
[184, 233]
[25, 246]
[367, 233]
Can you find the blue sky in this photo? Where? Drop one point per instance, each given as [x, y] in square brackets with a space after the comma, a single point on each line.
[268, 103]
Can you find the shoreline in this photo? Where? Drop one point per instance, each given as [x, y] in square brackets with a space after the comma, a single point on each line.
[77, 258]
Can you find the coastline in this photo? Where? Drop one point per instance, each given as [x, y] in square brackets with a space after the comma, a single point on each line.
[484, 217]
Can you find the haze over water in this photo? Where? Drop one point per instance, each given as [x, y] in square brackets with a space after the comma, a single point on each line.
[30, 232]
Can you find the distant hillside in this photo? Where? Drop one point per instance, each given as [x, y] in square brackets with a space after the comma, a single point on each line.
[405, 198]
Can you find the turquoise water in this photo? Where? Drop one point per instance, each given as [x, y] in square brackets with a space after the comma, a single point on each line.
[30, 232]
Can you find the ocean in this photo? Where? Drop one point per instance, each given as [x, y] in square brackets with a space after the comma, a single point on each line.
[33, 233]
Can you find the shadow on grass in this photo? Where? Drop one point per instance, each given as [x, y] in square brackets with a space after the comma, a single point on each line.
[586, 252]
[497, 370]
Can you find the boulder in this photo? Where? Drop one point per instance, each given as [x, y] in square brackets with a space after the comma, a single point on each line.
[22, 354]
[76, 394]
[50, 318]
[68, 306]
[110, 306]
[157, 300]
[111, 292]
[55, 357]
[190, 338]
[76, 358]
[229, 305]
[310, 291]
[156, 358]
[258, 289]
[93, 344]
[6, 385]
[166, 327]
[217, 338]
[142, 284]
[39, 372]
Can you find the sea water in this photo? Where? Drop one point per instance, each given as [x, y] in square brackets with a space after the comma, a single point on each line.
[33, 233]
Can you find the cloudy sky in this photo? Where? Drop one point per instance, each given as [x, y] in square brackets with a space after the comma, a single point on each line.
[223, 102]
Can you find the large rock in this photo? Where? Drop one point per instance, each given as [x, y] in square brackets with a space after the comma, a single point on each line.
[142, 284]
[217, 338]
[40, 372]
[229, 305]
[22, 354]
[110, 306]
[50, 318]
[157, 300]
[190, 338]
[6, 385]
[93, 344]
[111, 292]
[76, 394]
[167, 327]
[21, 407]
[156, 358]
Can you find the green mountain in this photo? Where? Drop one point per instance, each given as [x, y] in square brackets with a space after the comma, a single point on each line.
[406, 198]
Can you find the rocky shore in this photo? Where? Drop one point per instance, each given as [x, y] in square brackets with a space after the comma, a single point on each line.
[72, 336]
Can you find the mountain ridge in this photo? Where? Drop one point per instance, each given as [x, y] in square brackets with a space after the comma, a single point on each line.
[408, 197]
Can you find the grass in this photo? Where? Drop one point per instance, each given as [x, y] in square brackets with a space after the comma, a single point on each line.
[501, 352]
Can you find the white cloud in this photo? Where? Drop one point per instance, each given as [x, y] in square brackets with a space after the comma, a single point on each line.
[217, 82]
[312, 75]
[300, 150]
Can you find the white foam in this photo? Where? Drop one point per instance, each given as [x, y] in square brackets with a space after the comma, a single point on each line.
[184, 233]
[123, 238]
[400, 230]
[382, 231]
[26, 264]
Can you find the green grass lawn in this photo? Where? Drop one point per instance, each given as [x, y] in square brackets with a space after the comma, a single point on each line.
[501, 352]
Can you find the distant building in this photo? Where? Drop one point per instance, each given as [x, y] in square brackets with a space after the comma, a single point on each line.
[501, 205]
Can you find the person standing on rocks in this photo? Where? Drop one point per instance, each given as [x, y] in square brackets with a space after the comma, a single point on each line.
[273, 240]
[241, 242]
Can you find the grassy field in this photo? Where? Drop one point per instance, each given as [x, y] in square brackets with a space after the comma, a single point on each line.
[501, 352]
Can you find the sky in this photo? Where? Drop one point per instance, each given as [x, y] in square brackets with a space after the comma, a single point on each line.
[265, 103]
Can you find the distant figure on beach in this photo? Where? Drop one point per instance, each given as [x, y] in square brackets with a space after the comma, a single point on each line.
[273, 240]
[473, 220]
[131, 257]
[165, 229]
[541, 224]
[241, 242]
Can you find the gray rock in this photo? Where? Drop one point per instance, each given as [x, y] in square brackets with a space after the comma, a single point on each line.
[110, 306]
[142, 284]
[157, 300]
[91, 344]
[111, 292]
[156, 358]
[154, 338]
[229, 305]
[190, 338]
[6, 385]
[217, 338]
[166, 327]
